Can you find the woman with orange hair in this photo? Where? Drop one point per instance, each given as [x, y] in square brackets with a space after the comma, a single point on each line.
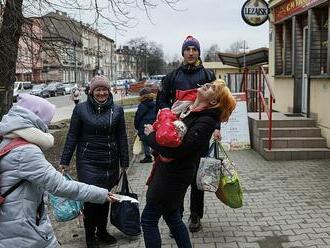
[170, 128]
[171, 178]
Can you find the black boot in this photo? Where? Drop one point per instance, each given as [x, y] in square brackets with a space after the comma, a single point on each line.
[92, 243]
[194, 223]
[146, 160]
[106, 237]
[90, 233]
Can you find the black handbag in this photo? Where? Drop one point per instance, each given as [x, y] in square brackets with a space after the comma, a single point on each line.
[125, 215]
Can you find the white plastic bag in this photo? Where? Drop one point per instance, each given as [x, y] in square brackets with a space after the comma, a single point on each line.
[137, 146]
[208, 173]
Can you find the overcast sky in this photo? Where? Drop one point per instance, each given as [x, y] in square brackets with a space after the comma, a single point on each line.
[210, 21]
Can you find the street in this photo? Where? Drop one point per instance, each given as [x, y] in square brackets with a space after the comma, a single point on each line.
[64, 105]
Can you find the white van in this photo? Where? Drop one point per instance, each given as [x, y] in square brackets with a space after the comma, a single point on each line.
[21, 87]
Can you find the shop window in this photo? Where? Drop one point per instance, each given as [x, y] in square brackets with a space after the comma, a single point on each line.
[319, 42]
[283, 48]
[279, 49]
[287, 37]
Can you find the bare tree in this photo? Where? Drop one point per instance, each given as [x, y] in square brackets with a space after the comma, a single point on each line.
[148, 55]
[173, 64]
[211, 54]
[155, 60]
[14, 13]
[236, 47]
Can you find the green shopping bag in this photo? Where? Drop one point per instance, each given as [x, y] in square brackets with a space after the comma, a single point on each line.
[229, 190]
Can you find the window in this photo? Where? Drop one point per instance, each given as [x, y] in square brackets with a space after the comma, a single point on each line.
[319, 41]
[283, 48]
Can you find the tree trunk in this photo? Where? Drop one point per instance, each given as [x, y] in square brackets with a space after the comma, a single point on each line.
[10, 33]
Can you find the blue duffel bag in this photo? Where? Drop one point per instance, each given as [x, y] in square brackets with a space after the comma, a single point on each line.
[65, 209]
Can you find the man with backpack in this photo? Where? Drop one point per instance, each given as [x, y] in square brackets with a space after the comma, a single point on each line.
[190, 75]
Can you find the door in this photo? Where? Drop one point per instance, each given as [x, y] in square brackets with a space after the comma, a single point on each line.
[304, 81]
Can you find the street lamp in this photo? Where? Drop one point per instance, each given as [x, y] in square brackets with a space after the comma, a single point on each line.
[244, 49]
[74, 43]
[98, 52]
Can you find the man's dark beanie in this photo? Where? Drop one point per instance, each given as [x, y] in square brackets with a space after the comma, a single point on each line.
[191, 41]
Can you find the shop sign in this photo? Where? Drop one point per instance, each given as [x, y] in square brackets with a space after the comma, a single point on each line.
[255, 12]
[290, 7]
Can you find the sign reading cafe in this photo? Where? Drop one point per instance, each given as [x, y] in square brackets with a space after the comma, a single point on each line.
[255, 12]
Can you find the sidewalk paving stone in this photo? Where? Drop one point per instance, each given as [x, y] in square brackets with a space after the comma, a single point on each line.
[286, 204]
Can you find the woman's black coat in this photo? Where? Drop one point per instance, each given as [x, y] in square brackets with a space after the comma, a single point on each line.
[145, 114]
[171, 180]
[99, 133]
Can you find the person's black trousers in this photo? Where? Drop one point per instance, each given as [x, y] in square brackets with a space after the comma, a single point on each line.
[196, 198]
[95, 218]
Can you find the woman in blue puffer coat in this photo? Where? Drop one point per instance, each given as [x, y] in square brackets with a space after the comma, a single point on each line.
[98, 131]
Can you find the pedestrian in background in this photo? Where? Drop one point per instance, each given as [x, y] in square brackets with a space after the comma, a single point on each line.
[23, 217]
[145, 114]
[98, 131]
[87, 89]
[169, 181]
[75, 95]
[126, 85]
[190, 75]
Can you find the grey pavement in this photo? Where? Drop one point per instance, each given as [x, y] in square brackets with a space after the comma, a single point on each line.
[286, 204]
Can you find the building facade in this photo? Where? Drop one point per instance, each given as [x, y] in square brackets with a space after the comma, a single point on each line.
[98, 55]
[75, 51]
[126, 66]
[29, 58]
[220, 70]
[62, 48]
[299, 52]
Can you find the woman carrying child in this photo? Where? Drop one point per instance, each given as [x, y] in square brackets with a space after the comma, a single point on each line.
[171, 177]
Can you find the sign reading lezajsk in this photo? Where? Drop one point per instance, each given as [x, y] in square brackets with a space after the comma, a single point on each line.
[235, 133]
[255, 12]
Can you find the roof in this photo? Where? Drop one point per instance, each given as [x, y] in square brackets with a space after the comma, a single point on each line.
[217, 65]
[59, 26]
[254, 57]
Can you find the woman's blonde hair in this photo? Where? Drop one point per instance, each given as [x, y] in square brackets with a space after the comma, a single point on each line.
[225, 100]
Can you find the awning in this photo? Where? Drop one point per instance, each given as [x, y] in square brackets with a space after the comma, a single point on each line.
[254, 57]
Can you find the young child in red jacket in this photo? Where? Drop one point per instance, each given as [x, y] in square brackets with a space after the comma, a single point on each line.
[169, 128]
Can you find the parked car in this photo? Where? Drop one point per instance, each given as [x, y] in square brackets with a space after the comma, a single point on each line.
[120, 83]
[53, 89]
[69, 88]
[157, 77]
[21, 87]
[37, 88]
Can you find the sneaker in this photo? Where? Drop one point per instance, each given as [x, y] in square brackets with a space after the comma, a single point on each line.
[146, 160]
[106, 238]
[194, 223]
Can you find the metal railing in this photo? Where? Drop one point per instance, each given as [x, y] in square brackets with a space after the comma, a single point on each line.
[255, 95]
